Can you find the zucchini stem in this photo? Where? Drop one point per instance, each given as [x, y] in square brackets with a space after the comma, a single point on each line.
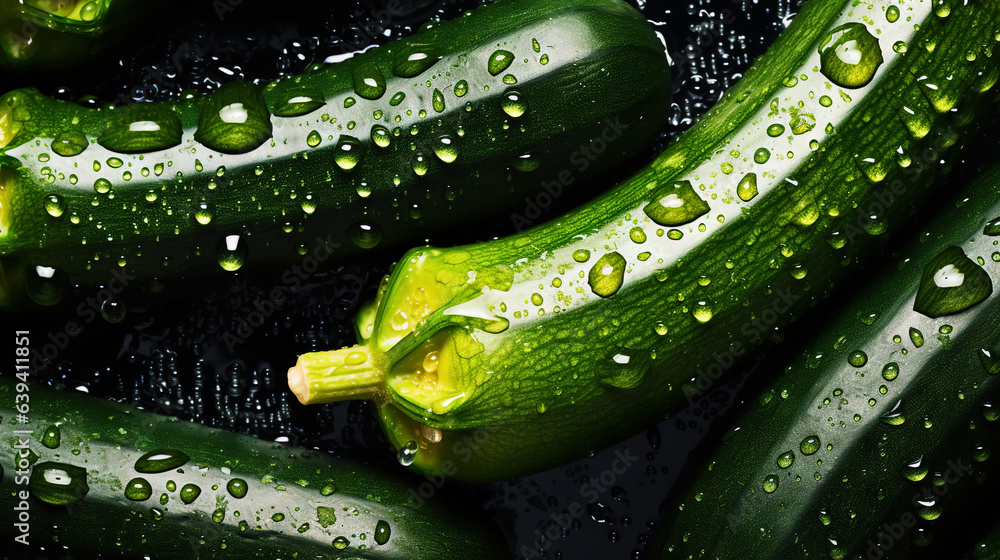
[337, 375]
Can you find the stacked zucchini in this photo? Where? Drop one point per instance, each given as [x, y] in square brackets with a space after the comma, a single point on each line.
[506, 357]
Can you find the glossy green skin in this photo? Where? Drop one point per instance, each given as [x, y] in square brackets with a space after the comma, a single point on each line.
[53, 33]
[289, 201]
[948, 404]
[107, 438]
[547, 390]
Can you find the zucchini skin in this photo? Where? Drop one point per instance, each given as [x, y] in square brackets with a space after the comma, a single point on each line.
[58, 34]
[900, 455]
[461, 145]
[533, 367]
[107, 439]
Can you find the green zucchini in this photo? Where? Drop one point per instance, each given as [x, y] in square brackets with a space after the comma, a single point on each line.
[509, 356]
[880, 434]
[106, 478]
[436, 129]
[58, 33]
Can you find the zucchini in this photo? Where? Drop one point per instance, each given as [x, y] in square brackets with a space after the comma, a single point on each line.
[875, 439]
[510, 356]
[109, 479]
[59, 33]
[436, 129]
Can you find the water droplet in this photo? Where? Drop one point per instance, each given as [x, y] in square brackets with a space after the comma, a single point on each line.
[951, 283]
[138, 489]
[347, 153]
[702, 311]
[340, 543]
[231, 252]
[637, 235]
[102, 186]
[46, 285]
[52, 437]
[857, 358]
[770, 483]
[809, 445]
[382, 532]
[299, 101]
[419, 164]
[58, 483]
[381, 136]
[915, 470]
[527, 162]
[190, 493]
[413, 59]
[407, 453]
[369, 82]
[203, 213]
[461, 88]
[607, 275]
[514, 104]
[992, 228]
[676, 205]
[850, 56]
[69, 143]
[437, 100]
[54, 205]
[990, 361]
[581, 255]
[113, 310]
[775, 130]
[892, 14]
[234, 127]
[916, 337]
[747, 187]
[313, 139]
[445, 148]
[499, 61]
[890, 371]
[894, 417]
[161, 460]
[237, 488]
[365, 235]
[762, 155]
[786, 459]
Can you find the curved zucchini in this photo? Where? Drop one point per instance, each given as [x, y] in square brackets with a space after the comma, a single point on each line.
[59, 33]
[878, 435]
[433, 130]
[106, 478]
[510, 356]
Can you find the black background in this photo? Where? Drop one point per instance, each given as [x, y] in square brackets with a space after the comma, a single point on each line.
[165, 346]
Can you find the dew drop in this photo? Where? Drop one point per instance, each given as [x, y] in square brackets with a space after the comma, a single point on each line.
[607, 275]
[138, 489]
[347, 153]
[445, 148]
[514, 104]
[407, 453]
[365, 235]
[850, 56]
[499, 61]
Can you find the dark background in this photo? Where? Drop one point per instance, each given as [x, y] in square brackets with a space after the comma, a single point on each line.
[169, 354]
